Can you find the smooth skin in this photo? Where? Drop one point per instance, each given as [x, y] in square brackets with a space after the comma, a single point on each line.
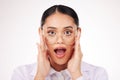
[74, 63]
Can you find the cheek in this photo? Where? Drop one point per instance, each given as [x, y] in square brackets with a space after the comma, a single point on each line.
[70, 48]
[70, 42]
[49, 40]
[49, 46]
[70, 52]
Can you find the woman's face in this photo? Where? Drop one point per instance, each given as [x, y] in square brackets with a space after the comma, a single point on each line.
[59, 32]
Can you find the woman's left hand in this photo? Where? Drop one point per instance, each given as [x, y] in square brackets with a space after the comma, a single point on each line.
[74, 64]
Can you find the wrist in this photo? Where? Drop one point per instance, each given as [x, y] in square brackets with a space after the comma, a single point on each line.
[76, 75]
[39, 77]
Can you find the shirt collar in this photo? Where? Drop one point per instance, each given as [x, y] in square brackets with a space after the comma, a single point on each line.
[64, 72]
[52, 71]
[84, 67]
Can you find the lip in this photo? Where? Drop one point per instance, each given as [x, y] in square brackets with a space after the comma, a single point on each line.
[60, 52]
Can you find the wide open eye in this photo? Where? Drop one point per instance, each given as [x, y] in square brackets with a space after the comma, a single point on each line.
[67, 33]
[51, 33]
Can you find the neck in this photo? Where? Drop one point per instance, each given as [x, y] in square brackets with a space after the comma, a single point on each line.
[58, 67]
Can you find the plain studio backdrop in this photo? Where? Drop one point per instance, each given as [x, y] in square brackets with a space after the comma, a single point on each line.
[100, 38]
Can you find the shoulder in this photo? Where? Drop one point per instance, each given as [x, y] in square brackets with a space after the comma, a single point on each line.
[93, 71]
[24, 71]
[89, 67]
[26, 68]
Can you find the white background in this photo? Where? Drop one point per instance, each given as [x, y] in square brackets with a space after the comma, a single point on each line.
[100, 39]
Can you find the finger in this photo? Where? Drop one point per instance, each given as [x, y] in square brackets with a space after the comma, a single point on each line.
[43, 45]
[77, 39]
[77, 45]
[78, 33]
[42, 40]
[77, 42]
[41, 36]
[38, 47]
[40, 56]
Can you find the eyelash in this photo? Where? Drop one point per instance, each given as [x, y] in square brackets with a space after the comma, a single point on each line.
[69, 32]
[51, 31]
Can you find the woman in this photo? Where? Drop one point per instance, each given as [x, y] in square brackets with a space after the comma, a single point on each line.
[59, 52]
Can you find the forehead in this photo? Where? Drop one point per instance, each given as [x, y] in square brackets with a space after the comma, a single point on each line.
[59, 20]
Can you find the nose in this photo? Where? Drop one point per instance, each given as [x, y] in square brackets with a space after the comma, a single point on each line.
[60, 39]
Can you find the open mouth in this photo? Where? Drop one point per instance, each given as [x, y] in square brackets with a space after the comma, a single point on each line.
[60, 52]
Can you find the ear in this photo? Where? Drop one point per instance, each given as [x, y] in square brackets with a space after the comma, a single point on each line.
[78, 33]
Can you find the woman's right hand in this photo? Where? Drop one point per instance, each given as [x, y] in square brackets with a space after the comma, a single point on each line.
[43, 64]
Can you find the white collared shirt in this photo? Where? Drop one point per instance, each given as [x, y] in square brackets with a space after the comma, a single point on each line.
[89, 72]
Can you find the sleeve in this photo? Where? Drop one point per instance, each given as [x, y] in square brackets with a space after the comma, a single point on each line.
[17, 75]
[80, 78]
[101, 74]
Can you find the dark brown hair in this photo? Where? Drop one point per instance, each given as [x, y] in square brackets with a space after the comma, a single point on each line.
[62, 9]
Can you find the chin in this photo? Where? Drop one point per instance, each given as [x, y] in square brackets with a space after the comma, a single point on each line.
[61, 62]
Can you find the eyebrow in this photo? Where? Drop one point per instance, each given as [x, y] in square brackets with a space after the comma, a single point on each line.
[51, 27]
[56, 28]
[68, 27]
